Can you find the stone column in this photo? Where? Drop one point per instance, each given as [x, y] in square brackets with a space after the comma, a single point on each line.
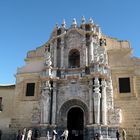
[91, 102]
[97, 96]
[91, 51]
[104, 106]
[86, 55]
[83, 55]
[54, 104]
[62, 52]
[55, 54]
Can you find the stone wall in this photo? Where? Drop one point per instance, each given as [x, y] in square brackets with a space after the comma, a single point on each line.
[7, 93]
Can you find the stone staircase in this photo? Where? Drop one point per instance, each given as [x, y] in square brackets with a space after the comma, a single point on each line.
[45, 138]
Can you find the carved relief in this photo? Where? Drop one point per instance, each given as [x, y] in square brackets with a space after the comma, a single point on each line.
[74, 39]
[35, 115]
[109, 91]
[114, 116]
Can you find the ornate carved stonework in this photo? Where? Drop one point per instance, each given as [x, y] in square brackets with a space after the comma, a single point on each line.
[73, 71]
[36, 115]
[45, 102]
[114, 116]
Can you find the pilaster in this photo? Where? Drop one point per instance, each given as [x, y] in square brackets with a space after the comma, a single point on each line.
[104, 106]
[91, 102]
[54, 104]
[97, 96]
[62, 52]
[55, 54]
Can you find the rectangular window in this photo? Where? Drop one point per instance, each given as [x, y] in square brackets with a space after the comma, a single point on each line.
[124, 85]
[30, 89]
[0, 104]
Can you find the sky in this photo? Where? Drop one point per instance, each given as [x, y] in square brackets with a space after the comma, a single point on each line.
[27, 24]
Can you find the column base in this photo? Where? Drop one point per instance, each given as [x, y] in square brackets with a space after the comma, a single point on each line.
[106, 132]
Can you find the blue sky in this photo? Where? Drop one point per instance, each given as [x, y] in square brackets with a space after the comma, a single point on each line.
[27, 24]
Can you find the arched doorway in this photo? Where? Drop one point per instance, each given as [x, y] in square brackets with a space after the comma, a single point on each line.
[75, 123]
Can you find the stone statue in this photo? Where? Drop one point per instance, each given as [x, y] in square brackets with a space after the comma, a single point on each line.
[64, 23]
[74, 23]
[91, 21]
[102, 42]
[101, 58]
[83, 20]
[45, 101]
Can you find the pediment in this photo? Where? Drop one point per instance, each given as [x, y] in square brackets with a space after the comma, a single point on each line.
[75, 37]
[75, 33]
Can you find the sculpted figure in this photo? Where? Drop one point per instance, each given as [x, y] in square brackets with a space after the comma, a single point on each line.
[45, 101]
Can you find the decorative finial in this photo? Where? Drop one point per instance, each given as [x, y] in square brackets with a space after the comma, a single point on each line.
[56, 26]
[83, 20]
[74, 23]
[64, 23]
[91, 21]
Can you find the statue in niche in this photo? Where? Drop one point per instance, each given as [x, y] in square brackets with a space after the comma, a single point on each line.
[101, 58]
[102, 42]
[47, 56]
[45, 102]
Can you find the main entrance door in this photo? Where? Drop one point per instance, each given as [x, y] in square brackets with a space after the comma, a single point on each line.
[75, 123]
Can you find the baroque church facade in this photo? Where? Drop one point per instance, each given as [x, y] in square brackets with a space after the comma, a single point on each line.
[81, 80]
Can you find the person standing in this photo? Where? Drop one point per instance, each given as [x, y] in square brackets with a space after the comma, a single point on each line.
[29, 135]
[97, 136]
[54, 135]
[0, 134]
[117, 135]
[123, 134]
[65, 134]
[24, 134]
[19, 135]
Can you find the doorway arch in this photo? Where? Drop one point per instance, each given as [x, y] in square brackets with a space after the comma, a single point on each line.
[75, 123]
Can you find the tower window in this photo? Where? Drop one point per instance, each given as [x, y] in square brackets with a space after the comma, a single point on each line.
[87, 27]
[124, 85]
[30, 89]
[58, 31]
[74, 58]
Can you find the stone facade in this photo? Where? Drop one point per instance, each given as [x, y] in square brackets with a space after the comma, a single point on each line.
[6, 109]
[81, 80]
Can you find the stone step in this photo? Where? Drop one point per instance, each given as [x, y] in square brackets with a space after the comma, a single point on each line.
[44, 138]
